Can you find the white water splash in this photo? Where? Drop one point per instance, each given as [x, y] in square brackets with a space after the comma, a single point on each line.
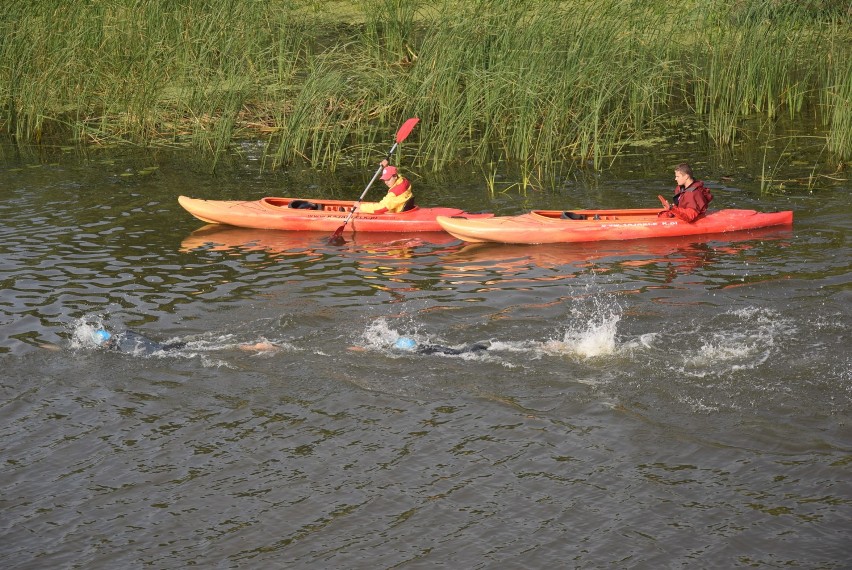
[83, 332]
[379, 335]
[595, 338]
[748, 341]
[592, 333]
[83, 337]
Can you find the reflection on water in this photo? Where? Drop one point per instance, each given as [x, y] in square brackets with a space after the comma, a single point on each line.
[658, 403]
[684, 254]
[224, 238]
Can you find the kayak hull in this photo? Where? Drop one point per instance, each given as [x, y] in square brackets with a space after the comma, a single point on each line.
[277, 214]
[548, 226]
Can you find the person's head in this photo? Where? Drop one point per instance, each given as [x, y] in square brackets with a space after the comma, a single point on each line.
[101, 336]
[683, 174]
[405, 343]
[389, 175]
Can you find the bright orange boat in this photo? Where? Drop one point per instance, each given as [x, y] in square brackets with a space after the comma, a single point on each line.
[548, 226]
[315, 215]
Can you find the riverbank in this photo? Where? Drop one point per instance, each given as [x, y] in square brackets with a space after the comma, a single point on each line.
[535, 84]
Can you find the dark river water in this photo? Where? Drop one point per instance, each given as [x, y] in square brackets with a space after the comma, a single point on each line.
[655, 404]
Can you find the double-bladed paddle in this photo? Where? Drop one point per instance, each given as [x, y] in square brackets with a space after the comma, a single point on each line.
[403, 132]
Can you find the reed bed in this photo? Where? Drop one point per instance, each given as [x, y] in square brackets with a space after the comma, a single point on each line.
[837, 99]
[535, 83]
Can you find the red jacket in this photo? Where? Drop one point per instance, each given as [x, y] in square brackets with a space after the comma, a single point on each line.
[691, 202]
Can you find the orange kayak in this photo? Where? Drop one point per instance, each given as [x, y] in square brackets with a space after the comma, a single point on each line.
[314, 215]
[548, 226]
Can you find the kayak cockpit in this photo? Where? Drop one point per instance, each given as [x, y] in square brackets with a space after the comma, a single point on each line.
[595, 215]
[315, 205]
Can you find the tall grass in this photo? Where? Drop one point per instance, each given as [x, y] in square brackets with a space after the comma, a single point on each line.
[532, 82]
[749, 63]
[537, 83]
[836, 98]
[147, 71]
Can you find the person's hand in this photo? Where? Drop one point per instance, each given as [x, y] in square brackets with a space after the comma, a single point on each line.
[384, 163]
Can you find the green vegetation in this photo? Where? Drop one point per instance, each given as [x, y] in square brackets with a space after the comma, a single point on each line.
[533, 82]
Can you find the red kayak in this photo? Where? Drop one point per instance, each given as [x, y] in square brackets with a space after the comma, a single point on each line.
[547, 226]
[315, 215]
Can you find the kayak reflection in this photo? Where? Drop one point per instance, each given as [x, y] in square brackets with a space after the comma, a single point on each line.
[216, 237]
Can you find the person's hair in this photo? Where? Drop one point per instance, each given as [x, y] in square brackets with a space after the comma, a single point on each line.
[684, 168]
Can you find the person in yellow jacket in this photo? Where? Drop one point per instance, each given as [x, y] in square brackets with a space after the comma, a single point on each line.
[399, 197]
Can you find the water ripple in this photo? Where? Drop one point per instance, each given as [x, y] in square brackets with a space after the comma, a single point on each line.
[659, 403]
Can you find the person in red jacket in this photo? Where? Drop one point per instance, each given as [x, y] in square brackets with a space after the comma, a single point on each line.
[691, 197]
[399, 197]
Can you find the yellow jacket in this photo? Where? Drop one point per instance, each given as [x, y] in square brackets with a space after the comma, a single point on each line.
[394, 200]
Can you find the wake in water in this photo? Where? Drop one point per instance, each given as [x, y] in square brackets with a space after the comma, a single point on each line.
[734, 360]
[380, 336]
[590, 333]
[90, 333]
[739, 339]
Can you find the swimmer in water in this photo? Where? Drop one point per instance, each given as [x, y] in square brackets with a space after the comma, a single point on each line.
[134, 343]
[407, 344]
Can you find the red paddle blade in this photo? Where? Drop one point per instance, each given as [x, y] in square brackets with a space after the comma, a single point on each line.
[406, 129]
[337, 237]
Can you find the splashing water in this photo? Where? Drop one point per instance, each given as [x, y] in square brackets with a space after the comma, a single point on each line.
[593, 332]
[597, 338]
[83, 332]
[379, 335]
[746, 343]
[587, 339]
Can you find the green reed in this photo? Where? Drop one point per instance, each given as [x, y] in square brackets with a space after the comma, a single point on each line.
[836, 98]
[146, 72]
[532, 83]
[754, 66]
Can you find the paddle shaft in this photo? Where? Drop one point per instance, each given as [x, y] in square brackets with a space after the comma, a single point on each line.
[369, 185]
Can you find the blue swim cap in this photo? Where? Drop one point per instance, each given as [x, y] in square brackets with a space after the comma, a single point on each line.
[101, 336]
[405, 343]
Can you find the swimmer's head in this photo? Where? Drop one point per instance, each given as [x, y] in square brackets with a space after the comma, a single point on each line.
[101, 336]
[405, 343]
